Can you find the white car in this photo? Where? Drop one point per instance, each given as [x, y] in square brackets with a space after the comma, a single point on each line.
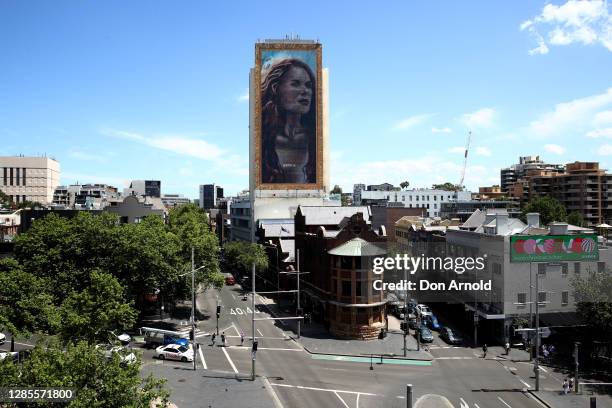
[13, 354]
[125, 356]
[174, 352]
[423, 310]
[2, 338]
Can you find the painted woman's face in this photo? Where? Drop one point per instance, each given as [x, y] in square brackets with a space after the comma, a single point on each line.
[295, 91]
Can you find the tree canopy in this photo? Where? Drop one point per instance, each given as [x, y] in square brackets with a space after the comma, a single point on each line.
[550, 209]
[448, 186]
[240, 255]
[593, 296]
[576, 218]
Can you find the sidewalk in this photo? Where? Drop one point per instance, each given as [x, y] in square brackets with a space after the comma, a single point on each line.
[316, 340]
[556, 399]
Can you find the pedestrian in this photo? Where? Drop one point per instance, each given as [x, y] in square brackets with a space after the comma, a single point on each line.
[565, 386]
[484, 351]
[223, 339]
[507, 348]
[571, 384]
[241, 337]
[213, 338]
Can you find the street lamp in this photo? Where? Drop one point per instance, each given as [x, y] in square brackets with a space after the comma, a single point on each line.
[192, 272]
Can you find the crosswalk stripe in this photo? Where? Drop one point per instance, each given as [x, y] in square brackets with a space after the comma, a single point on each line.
[504, 402]
[202, 358]
[229, 359]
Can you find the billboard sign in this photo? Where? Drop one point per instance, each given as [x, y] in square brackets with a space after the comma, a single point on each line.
[288, 116]
[553, 248]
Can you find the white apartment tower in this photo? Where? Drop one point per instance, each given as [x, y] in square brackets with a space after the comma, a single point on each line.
[29, 178]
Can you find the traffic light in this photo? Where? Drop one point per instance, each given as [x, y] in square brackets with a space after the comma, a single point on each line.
[404, 327]
[218, 311]
[254, 349]
[191, 335]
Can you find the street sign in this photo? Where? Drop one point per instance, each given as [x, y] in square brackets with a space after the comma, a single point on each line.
[544, 332]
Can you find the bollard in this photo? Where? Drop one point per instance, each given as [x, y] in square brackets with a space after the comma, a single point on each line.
[593, 402]
[408, 395]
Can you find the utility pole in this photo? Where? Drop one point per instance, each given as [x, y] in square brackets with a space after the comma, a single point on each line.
[299, 322]
[253, 321]
[536, 366]
[576, 345]
[405, 310]
[193, 299]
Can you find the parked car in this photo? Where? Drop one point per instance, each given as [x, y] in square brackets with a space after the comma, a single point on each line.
[174, 352]
[423, 310]
[126, 356]
[230, 280]
[449, 336]
[432, 322]
[398, 311]
[2, 338]
[426, 335]
[9, 354]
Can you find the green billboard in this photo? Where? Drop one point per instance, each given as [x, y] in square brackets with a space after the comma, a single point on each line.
[551, 248]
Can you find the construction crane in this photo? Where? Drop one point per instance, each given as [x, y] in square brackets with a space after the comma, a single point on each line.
[465, 157]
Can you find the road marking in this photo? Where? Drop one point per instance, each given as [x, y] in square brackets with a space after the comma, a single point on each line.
[504, 402]
[341, 400]
[543, 369]
[526, 385]
[275, 398]
[301, 387]
[463, 403]
[540, 403]
[476, 406]
[229, 359]
[357, 400]
[260, 333]
[265, 348]
[354, 359]
[233, 296]
[454, 358]
[202, 358]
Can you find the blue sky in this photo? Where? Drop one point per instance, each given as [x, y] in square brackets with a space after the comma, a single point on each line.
[121, 90]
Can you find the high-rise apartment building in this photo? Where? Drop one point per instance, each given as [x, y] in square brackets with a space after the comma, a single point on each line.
[29, 178]
[209, 194]
[513, 174]
[584, 188]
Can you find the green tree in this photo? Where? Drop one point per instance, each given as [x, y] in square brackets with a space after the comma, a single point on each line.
[240, 255]
[593, 296]
[95, 311]
[98, 382]
[576, 218]
[448, 186]
[25, 304]
[190, 224]
[336, 190]
[550, 209]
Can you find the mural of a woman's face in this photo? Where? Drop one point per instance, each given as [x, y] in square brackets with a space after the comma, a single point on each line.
[295, 91]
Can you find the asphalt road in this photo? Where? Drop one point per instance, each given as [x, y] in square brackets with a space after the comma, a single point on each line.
[300, 379]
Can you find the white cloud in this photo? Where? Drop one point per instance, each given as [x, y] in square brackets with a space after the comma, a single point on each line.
[75, 154]
[554, 148]
[456, 149]
[441, 130]
[186, 146]
[605, 150]
[244, 97]
[597, 133]
[483, 151]
[412, 121]
[581, 22]
[570, 114]
[603, 118]
[481, 118]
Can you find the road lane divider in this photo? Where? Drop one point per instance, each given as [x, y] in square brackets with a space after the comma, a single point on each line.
[229, 360]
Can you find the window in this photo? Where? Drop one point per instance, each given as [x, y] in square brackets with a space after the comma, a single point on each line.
[428, 206]
[521, 298]
[423, 198]
[427, 198]
[435, 206]
[564, 269]
[564, 298]
[541, 269]
[435, 198]
[542, 297]
[23, 173]
[346, 288]
[601, 266]
[5, 172]
[576, 267]
[403, 198]
[417, 198]
[357, 262]
[410, 198]
[358, 289]
[345, 262]
[410, 206]
[17, 171]
[11, 174]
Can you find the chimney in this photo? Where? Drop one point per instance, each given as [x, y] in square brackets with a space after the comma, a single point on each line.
[558, 228]
[533, 220]
[501, 224]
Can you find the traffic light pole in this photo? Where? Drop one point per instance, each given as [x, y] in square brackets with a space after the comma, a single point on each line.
[405, 311]
[193, 298]
[253, 321]
[536, 365]
[299, 323]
